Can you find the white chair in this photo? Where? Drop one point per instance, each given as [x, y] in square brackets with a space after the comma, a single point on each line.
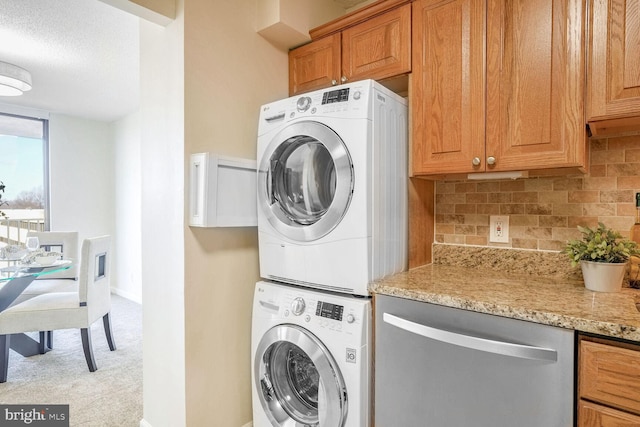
[65, 242]
[66, 310]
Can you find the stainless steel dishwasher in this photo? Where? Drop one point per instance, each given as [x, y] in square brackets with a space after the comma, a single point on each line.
[437, 366]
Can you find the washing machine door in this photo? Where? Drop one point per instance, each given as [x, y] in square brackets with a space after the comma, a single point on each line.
[298, 381]
[305, 181]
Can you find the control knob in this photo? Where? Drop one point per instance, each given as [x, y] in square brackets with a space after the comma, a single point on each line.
[350, 318]
[297, 306]
[303, 104]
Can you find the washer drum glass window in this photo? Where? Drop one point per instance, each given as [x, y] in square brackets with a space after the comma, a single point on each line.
[298, 381]
[305, 181]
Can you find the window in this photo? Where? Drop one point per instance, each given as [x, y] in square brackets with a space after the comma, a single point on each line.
[24, 174]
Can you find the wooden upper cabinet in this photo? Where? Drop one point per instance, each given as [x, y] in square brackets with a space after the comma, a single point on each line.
[315, 65]
[613, 69]
[378, 48]
[501, 94]
[535, 84]
[447, 86]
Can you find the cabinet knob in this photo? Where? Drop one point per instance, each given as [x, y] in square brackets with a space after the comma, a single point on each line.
[343, 79]
[476, 161]
[334, 82]
[491, 160]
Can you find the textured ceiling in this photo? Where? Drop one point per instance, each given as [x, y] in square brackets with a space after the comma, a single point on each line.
[83, 56]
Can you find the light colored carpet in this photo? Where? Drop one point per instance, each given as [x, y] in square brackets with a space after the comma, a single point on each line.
[109, 397]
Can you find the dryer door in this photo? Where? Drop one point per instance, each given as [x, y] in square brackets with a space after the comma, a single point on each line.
[305, 181]
[297, 379]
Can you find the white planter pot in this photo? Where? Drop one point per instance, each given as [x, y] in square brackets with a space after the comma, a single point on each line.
[603, 276]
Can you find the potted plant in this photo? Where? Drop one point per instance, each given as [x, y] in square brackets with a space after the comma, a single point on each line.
[602, 254]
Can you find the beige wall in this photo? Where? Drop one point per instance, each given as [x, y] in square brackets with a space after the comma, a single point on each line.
[544, 212]
[230, 71]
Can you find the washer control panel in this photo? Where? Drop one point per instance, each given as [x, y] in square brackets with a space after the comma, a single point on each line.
[338, 314]
[330, 311]
[345, 318]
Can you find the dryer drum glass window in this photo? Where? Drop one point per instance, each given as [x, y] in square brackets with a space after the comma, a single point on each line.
[306, 181]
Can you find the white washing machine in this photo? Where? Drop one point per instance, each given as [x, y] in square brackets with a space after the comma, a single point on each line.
[310, 358]
[332, 187]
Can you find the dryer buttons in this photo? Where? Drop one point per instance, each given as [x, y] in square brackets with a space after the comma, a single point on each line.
[297, 306]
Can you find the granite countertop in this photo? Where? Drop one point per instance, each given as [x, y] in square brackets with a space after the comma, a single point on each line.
[485, 283]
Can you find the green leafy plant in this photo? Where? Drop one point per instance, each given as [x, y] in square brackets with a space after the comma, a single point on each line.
[600, 245]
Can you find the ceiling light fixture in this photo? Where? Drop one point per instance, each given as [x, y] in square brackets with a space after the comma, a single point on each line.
[13, 80]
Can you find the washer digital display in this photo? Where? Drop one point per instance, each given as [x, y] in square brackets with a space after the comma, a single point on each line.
[338, 95]
[330, 311]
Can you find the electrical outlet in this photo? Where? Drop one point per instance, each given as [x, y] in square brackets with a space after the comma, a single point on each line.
[499, 229]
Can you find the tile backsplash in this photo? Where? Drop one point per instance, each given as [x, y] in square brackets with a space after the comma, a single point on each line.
[545, 211]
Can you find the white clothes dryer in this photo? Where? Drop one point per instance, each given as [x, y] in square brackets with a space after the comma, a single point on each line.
[310, 358]
[332, 187]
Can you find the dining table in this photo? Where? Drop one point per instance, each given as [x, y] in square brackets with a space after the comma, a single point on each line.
[19, 277]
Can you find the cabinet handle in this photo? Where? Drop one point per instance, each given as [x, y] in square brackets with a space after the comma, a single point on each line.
[343, 79]
[468, 341]
[334, 82]
[491, 160]
[476, 161]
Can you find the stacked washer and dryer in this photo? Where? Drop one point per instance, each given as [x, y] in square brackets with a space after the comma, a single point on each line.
[332, 217]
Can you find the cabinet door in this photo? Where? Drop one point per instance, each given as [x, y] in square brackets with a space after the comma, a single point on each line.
[610, 375]
[613, 71]
[315, 65]
[378, 48]
[447, 86]
[593, 415]
[535, 84]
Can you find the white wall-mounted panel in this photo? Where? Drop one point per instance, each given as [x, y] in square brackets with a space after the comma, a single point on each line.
[222, 191]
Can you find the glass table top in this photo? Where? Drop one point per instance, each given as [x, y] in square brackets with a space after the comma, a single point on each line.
[34, 269]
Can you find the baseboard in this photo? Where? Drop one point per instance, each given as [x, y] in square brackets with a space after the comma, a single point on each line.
[143, 423]
[127, 295]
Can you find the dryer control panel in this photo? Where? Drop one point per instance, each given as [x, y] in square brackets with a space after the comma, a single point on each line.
[349, 101]
[338, 95]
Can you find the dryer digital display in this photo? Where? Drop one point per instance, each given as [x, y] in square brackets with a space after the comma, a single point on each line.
[331, 311]
[338, 95]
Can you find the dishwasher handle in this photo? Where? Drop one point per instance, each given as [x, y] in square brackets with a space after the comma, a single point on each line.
[483, 344]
